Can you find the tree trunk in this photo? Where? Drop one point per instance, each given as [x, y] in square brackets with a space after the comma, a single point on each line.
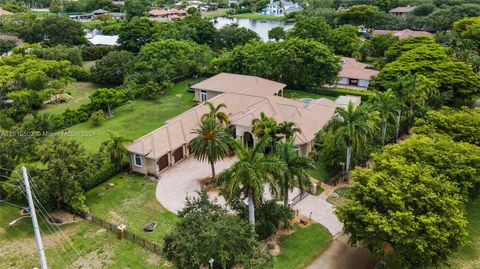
[285, 196]
[251, 209]
[109, 110]
[347, 165]
[213, 170]
[384, 132]
[397, 126]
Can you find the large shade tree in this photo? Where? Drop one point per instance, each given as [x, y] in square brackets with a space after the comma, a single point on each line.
[295, 174]
[352, 126]
[250, 174]
[211, 142]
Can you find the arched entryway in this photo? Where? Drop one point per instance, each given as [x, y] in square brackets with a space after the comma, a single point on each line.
[178, 154]
[248, 139]
[163, 162]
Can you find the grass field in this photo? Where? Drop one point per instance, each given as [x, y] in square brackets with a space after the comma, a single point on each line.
[215, 13]
[131, 202]
[301, 247]
[319, 172]
[98, 247]
[144, 117]
[295, 94]
[80, 91]
[258, 16]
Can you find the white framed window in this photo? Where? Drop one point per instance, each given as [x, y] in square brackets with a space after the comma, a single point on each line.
[297, 150]
[203, 96]
[138, 160]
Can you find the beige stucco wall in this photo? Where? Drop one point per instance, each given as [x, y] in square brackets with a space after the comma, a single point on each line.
[149, 166]
[210, 95]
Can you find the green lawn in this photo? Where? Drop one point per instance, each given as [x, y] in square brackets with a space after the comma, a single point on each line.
[295, 94]
[215, 13]
[131, 202]
[92, 24]
[97, 246]
[301, 247]
[80, 91]
[258, 16]
[144, 117]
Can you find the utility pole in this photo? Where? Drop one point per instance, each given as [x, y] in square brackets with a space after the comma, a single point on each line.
[33, 215]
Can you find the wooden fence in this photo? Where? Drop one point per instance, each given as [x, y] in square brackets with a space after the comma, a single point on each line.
[152, 246]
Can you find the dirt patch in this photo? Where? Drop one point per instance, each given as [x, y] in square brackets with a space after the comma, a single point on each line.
[94, 259]
[207, 183]
[116, 218]
[273, 245]
[65, 217]
[153, 259]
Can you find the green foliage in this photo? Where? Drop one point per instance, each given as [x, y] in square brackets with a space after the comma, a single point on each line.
[463, 124]
[232, 35]
[24, 102]
[60, 52]
[442, 19]
[378, 45]
[132, 35]
[311, 27]
[91, 53]
[6, 46]
[407, 44]
[424, 9]
[298, 63]
[106, 99]
[337, 92]
[344, 40]
[417, 212]
[53, 30]
[367, 15]
[171, 60]
[115, 148]
[97, 118]
[113, 68]
[135, 8]
[191, 27]
[206, 231]
[277, 33]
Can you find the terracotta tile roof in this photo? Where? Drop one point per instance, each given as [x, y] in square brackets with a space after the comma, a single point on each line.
[402, 33]
[352, 68]
[235, 83]
[162, 12]
[406, 9]
[241, 108]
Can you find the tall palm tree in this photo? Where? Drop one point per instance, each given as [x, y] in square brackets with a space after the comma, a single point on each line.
[211, 142]
[414, 90]
[386, 104]
[352, 126]
[264, 126]
[115, 147]
[250, 174]
[288, 129]
[295, 174]
[216, 114]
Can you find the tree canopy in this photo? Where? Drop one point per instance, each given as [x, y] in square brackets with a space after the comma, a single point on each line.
[113, 68]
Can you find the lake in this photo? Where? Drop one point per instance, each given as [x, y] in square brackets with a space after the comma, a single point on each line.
[261, 27]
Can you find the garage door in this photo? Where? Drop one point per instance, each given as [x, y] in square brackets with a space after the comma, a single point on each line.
[178, 154]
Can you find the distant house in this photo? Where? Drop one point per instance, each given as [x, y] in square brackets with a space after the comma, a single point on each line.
[98, 12]
[401, 33]
[280, 8]
[95, 38]
[167, 13]
[344, 100]
[354, 74]
[401, 11]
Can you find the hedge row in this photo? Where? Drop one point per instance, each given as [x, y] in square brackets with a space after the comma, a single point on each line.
[335, 92]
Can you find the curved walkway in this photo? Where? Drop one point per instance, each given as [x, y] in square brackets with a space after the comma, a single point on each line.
[181, 180]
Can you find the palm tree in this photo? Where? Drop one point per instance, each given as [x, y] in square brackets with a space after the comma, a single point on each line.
[211, 142]
[386, 104]
[115, 148]
[250, 174]
[216, 114]
[295, 174]
[352, 126]
[287, 129]
[264, 126]
[414, 90]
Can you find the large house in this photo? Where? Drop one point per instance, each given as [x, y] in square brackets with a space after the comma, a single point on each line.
[245, 97]
[354, 74]
[280, 8]
[401, 33]
[401, 11]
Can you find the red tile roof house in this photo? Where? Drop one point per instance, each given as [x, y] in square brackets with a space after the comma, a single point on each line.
[401, 11]
[354, 74]
[245, 97]
[167, 13]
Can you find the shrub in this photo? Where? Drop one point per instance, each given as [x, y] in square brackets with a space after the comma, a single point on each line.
[91, 53]
[97, 118]
[337, 92]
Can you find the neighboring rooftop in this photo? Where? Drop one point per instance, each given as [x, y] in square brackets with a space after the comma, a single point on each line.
[241, 109]
[343, 100]
[164, 12]
[105, 40]
[406, 9]
[18, 41]
[352, 68]
[402, 33]
[235, 83]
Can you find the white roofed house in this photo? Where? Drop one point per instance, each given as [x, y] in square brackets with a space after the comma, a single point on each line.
[245, 98]
[354, 74]
[280, 8]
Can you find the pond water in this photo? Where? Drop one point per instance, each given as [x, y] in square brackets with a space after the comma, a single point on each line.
[261, 27]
